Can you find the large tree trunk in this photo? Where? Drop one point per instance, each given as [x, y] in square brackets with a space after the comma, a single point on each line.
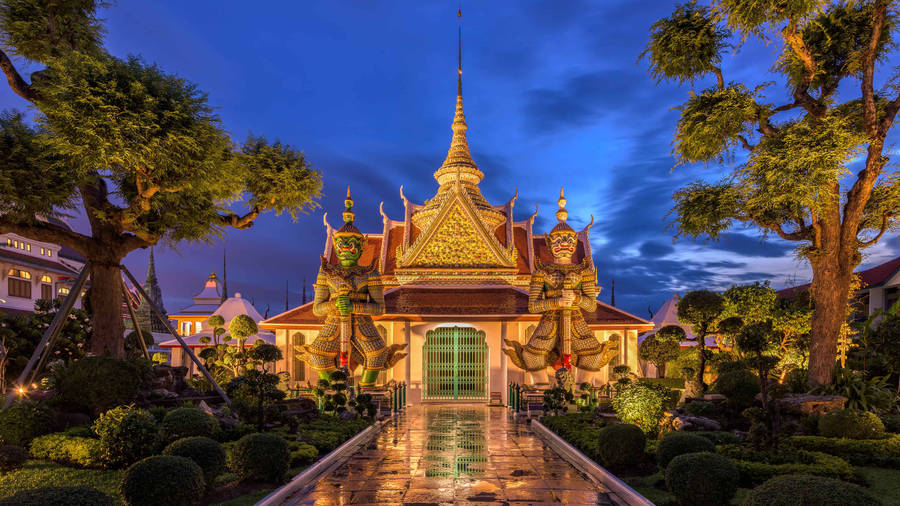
[832, 275]
[106, 307]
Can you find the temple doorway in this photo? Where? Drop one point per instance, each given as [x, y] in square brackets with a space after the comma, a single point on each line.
[455, 361]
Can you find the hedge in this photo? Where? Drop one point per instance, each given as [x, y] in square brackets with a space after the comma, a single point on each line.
[802, 489]
[754, 472]
[71, 450]
[59, 496]
[580, 430]
[859, 452]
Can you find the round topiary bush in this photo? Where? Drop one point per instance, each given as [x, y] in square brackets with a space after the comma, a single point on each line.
[740, 386]
[24, 421]
[679, 443]
[96, 384]
[127, 434]
[187, 422]
[621, 445]
[851, 424]
[260, 457]
[12, 457]
[702, 479]
[163, 479]
[643, 404]
[59, 496]
[799, 489]
[205, 452]
[303, 454]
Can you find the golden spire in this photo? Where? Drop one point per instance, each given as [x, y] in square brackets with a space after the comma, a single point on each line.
[459, 164]
[348, 228]
[562, 215]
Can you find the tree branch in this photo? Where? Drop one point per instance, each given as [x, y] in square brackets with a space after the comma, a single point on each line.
[801, 90]
[801, 234]
[868, 79]
[719, 79]
[47, 232]
[746, 143]
[885, 220]
[16, 83]
[240, 222]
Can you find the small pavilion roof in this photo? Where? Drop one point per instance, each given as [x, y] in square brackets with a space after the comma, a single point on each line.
[668, 315]
[232, 307]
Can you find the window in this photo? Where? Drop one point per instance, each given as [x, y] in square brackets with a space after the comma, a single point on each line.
[298, 367]
[62, 291]
[19, 288]
[46, 252]
[19, 273]
[46, 279]
[199, 327]
[27, 247]
[46, 291]
[185, 328]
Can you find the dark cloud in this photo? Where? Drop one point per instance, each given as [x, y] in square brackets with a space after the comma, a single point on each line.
[750, 246]
[654, 249]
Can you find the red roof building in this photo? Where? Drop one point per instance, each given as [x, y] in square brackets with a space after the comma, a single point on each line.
[457, 261]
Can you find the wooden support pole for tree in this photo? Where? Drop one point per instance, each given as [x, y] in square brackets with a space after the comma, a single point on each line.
[137, 327]
[39, 356]
[184, 345]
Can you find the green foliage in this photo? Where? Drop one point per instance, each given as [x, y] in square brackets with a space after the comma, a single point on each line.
[127, 434]
[12, 457]
[702, 479]
[643, 404]
[753, 303]
[265, 353]
[679, 443]
[891, 423]
[70, 450]
[42, 31]
[581, 430]
[255, 396]
[96, 384]
[712, 122]
[159, 358]
[279, 177]
[186, 422]
[621, 446]
[163, 479]
[719, 437]
[40, 473]
[752, 16]
[59, 496]
[883, 452]
[758, 466]
[837, 39]
[870, 394]
[260, 457]
[205, 452]
[801, 489]
[24, 421]
[658, 351]
[851, 424]
[328, 432]
[556, 399]
[685, 46]
[303, 454]
[739, 386]
[242, 327]
[700, 309]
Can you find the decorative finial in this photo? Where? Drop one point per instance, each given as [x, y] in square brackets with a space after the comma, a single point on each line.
[348, 204]
[561, 213]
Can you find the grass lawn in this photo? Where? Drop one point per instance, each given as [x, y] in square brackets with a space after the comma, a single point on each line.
[883, 483]
[42, 473]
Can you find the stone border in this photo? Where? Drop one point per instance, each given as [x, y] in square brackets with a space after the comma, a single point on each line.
[584, 464]
[312, 473]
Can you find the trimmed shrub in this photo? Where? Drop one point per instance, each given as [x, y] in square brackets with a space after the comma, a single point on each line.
[234, 433]
[79, 431]
[703, 408]
[65, 449]
[127, 434]
[205, 452]
[859, 452]
[740, 386]
[702, 479]
[621, 446]
[24, 421]
[59, 496]
[12, 457]
[794, 490]
[643, 404]
[891, 423]
[757, 467]
[96, 384]
[719, 437]
[163, 479]
[188, 422]
[679, 443]
[303, 455]
[581, 430]
[260, 457]
[851, 424]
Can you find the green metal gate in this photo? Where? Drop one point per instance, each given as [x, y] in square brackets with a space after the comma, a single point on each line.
[456, 364]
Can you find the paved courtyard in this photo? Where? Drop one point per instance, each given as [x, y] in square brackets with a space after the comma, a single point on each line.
[455, 455]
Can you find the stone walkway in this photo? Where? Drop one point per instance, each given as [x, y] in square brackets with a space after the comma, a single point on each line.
[455, 455]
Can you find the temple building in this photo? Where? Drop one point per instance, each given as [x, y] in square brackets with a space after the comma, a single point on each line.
[456, 271]
[191, 319]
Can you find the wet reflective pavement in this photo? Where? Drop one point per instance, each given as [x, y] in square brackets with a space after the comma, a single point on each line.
[455, 455]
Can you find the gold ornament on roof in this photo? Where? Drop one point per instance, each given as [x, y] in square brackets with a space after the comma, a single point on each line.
[348, 229]
[562, 215]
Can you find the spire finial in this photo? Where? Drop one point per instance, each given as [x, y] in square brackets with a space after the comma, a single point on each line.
[561, 213]
[459, 56]
[348, 212]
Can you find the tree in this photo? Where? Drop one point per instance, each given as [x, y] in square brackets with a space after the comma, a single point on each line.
[796, 181]
[657, 350]
[701, 309]
[139, 151]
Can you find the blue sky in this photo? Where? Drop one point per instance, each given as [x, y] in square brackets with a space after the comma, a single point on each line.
[554, 96]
